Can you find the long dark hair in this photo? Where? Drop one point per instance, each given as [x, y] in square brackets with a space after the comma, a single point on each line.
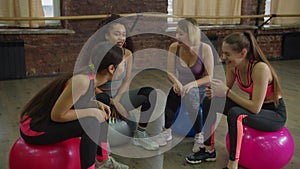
[107, 23]
[246, 40]
[40, 106]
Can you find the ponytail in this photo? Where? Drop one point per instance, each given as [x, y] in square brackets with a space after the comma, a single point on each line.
[239, 41]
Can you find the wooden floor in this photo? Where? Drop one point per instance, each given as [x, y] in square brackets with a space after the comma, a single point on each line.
[15, 93]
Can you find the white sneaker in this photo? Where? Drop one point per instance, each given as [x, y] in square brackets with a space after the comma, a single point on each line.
[198, 142]
[142, 139]
[160, 140]
[110, 163]
[167, 134]
[163, 138]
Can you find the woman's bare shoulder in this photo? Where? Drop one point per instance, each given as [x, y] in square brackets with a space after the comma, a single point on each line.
[260, 67]
[206, 46]
[173, 47]
[127, 52]
[80, 81]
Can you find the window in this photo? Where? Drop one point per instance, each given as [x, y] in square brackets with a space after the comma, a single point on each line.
[51, 9]
[170, 11]
[267, 9]
[206, 8]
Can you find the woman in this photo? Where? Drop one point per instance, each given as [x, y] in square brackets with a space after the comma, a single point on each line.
[193, 61]
[123, 99]
[264, 110]
[66, 108]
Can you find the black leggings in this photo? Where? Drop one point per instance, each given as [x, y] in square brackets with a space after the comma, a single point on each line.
[88, 129]
[269, 119]
[192, 102]
[144, 97]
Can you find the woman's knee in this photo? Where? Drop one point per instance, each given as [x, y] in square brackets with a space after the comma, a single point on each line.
[89, 123]
[233, 113]
[146, 91]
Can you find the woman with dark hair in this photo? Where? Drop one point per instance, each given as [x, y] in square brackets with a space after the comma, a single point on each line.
[124, 99]
[66, 107]
[264, 110]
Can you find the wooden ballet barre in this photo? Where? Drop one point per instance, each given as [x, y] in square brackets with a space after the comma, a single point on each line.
[226, 17]
[82, 17]
[53, 18]
[77, 17]
[286, 15]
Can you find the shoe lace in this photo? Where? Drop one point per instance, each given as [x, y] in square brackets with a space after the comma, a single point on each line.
[201, 152]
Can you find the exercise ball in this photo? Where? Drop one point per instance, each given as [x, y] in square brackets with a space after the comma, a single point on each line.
[119, 133]
[64, 155]
[182, 123]
[261, 150]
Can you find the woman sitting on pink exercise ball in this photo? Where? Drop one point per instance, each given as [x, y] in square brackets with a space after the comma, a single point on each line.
[264, 110]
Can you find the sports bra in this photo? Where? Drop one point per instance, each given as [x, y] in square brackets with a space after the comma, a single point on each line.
[85, 101]
[184, 72]
[249, 89]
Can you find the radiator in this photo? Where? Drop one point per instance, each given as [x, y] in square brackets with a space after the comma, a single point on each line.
[290, 45]
[12, 60]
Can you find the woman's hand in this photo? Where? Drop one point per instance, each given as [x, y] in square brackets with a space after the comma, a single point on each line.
[118, 109]
[186, 88]
[103, 107]
[101, 115]
[177, 88]
[217, 88]
[209, 92]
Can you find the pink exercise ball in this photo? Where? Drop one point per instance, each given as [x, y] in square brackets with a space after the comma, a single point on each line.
[62, 155]
[262, 150]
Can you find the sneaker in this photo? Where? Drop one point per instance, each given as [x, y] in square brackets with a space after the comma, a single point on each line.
[142, 139]
[200, 156]
[160, 140]
[167, 134]
[163, 137]
[198, 142]
[110, 163]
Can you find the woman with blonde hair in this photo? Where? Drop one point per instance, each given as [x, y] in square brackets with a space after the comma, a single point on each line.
[190, 70]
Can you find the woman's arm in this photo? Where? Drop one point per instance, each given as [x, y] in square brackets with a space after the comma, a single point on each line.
[126, 81]
[123, 88]
[261, 76]
[171, 63]
[230, 77]
[171, 68]
[98, 90]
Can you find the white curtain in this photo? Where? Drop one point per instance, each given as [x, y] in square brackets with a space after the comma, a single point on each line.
[285, 7]
[21, 8]
[209, 8]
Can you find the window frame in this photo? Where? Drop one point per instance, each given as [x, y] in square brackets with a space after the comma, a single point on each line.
[267, 10]
[56, 12]
[173, 20]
